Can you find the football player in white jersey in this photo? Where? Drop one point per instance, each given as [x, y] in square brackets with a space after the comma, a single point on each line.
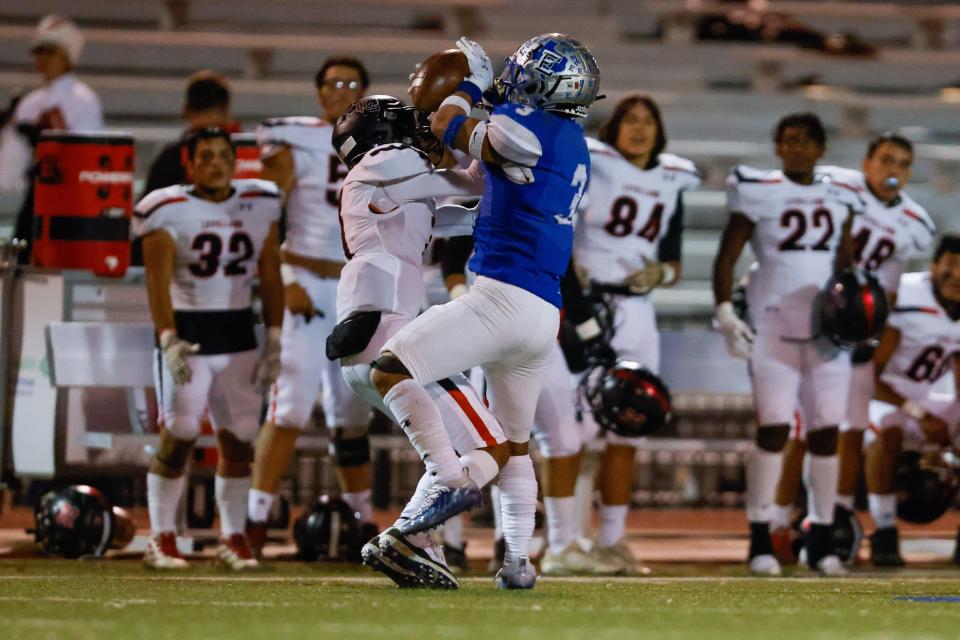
[798, 224]
[203, 246]
[892, 230]
[298, 155]
[920, 344]
[388, 215]
[627, 242]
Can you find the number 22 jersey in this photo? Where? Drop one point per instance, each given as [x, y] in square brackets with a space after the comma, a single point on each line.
[218, 243]
[797, 231]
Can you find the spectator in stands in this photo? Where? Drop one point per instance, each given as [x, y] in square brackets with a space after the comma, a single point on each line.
[62, 102]
[206, 104]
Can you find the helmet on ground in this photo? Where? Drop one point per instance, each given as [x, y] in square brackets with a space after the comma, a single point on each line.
[329, 531]
[628, 399]
[852, 308]
[926, 485]
[552, 72]
[79, 521]
[371, 122]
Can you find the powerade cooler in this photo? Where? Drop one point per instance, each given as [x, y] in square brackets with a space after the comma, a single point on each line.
[248, 156]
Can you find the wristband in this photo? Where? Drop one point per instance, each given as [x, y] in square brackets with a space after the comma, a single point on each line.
[450, 135]
[588, 330]
[287, 275]
[477, 136]
[471, 90]
[456, 101]
[667, 273]
[458, 290]
[913, 410]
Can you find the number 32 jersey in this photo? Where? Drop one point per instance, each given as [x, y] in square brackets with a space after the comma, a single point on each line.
[218, 243]
[797, 232]
[630, 216]
[929, 339]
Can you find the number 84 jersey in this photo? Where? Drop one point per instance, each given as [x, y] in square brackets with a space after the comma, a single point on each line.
[797, 231]
[218, 243]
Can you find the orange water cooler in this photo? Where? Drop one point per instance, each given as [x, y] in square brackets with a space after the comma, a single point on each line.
[83, 201]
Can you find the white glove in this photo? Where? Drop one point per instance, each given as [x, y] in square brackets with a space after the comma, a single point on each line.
[738, 334]
[267, 369]
[481, 69]
[176, 351]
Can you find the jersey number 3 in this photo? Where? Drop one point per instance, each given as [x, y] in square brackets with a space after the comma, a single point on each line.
[210, 247]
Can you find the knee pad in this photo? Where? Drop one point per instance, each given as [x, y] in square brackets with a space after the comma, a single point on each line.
[233, 449]
[173, 452]
[349, 451]
[773, 438]
[389, 363]
[823, 442]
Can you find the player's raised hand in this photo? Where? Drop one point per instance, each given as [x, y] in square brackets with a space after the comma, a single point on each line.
[298, 302]
[267, 369]
[176, 352]
[481, 69]
[738, 334]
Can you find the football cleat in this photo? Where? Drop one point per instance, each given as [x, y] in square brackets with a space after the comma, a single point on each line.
[235, 554]
[831, 566]
[618, 556]
[373, 557]
[519, 574]
[765, 565]
[432, 572]
[256, 533]
[440, 504]
[162, 552]
[574, 561]
[885, 548]
[783, 539]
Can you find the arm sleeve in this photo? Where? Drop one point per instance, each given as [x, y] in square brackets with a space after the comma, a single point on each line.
[576, 307]
[435, 184]
[670, 249]
[456, 252]
[513, 141]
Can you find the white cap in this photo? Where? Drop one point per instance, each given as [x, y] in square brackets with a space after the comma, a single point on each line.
[61, 32]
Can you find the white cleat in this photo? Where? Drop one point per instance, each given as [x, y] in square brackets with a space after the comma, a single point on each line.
[765, 565]
[574, 561]
[162, 553]
[235, 554]
[619, 556]
[831, 567]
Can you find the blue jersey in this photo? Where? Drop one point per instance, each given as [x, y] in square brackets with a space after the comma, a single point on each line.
[524, 233]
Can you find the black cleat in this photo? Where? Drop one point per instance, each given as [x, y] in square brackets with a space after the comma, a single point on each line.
[413, 559]
[373, 558]
[885, 548]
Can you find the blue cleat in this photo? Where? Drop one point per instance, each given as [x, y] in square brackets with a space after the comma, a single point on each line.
[441, 504]
[373, 557]
[518, 574]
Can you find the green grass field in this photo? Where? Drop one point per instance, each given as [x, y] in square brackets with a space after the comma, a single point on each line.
[60, 599]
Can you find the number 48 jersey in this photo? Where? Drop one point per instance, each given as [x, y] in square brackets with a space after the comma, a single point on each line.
[929, 339]
[218, 243]
[797, 232]
[630, 216]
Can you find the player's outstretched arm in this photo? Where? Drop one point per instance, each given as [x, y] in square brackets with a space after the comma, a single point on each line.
[737, 333]
[271, 294]
[845, 250]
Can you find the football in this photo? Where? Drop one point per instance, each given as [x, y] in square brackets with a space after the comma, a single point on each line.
[437, 78]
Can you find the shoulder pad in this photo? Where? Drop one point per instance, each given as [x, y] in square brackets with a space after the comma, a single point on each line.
[296, 131]
[742, 174]
[596, 146]
[255, 188]
[390, 163]
[849, 177]
[160, 198]
[917, 213]
[914, 292]
[670, 162]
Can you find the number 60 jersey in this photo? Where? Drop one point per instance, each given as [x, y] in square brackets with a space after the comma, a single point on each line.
[797, 232]
[218, 243]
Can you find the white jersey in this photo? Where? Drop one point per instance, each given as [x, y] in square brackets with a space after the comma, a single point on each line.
[66, 103]
[630, 216]
[886, 236]
[218, 243]
[929, 339]
[312, 228]
[797, 231]
[388, 212]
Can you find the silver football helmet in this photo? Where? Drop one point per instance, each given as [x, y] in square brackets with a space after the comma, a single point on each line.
[552, 72]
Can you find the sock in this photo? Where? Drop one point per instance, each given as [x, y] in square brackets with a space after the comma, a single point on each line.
[453, 532]
[583, 492]
[413, 504]
[231, 495]
[763, 473]
[845, 502]
[497, 512]
[820, 475]
[780, 516]
[419, 418]
[760, 542]
[359, 501]
[613, 520]
[163, 496]
[883, 508]
[481, 467]
[561, 522]
[258, 505]
[518, 504]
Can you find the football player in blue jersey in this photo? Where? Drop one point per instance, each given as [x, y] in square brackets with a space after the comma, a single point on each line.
[536, 169]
